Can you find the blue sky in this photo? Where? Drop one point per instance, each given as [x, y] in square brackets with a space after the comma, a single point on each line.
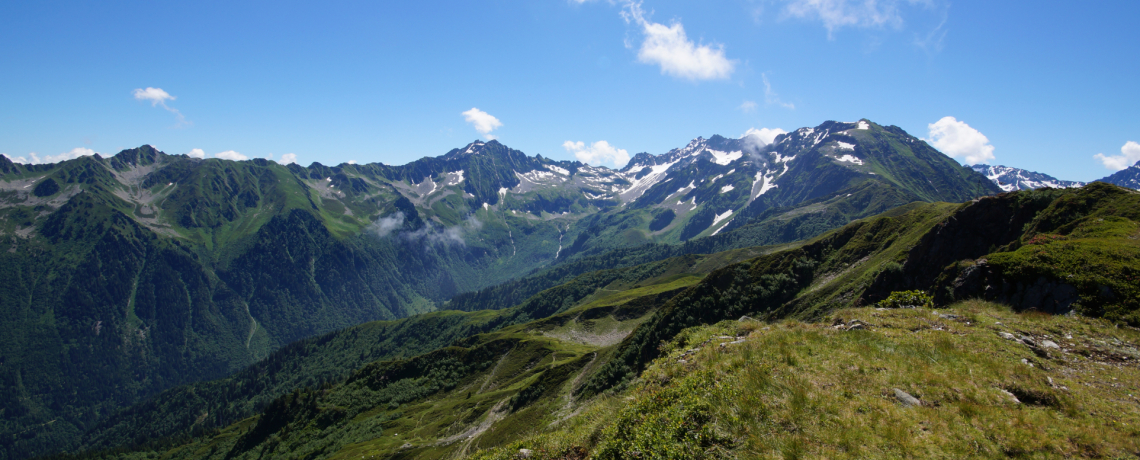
[1048, 84]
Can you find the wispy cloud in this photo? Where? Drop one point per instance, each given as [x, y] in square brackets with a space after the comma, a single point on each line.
[158, 97]
[597, 153]
[668, 47]
[958, 140]
[1129, 155]
[429, 235]
[482, 121]
[932, 41]
[288, 158]
[747, 106]
[836, 14]
[35, 158]
[770, 97]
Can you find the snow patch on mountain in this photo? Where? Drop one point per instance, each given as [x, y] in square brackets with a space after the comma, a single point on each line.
[850, 159]
[845, 146]
[721, 216]
[454, 178]
[639, 186]
[819, 138]
[724, 158]
[471, 148]
[726, 189]
[762, 184]
[722, 227]
[683, 190]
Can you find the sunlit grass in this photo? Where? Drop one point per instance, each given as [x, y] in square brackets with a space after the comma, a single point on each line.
[802, 390]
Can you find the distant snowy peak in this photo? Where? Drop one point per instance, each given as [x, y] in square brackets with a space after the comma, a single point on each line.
[720, 150]
[1128, 177]
[1010, 179]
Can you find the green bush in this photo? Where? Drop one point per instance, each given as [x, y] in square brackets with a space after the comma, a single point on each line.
[906, 299]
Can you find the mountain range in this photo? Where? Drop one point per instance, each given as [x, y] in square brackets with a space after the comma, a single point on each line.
[1010, 179]
[713, 356]
[130, 277]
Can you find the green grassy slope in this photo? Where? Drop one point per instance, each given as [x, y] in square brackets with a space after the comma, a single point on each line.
[809, 390]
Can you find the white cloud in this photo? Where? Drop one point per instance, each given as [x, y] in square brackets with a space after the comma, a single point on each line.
[37, 159]
[232, 155]
[669, 48]
[158, 97]
[73, 154]
[957, 139]
[1129, 155]
[429, 234]
[597, 153]
[288, 158]
[747, 106]
[386, 225]
[482, 121]
[196, 153]
[836, 14]
[763, 135]
[351, 162]
[756, 139]
[154, 95]
[771, 97]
